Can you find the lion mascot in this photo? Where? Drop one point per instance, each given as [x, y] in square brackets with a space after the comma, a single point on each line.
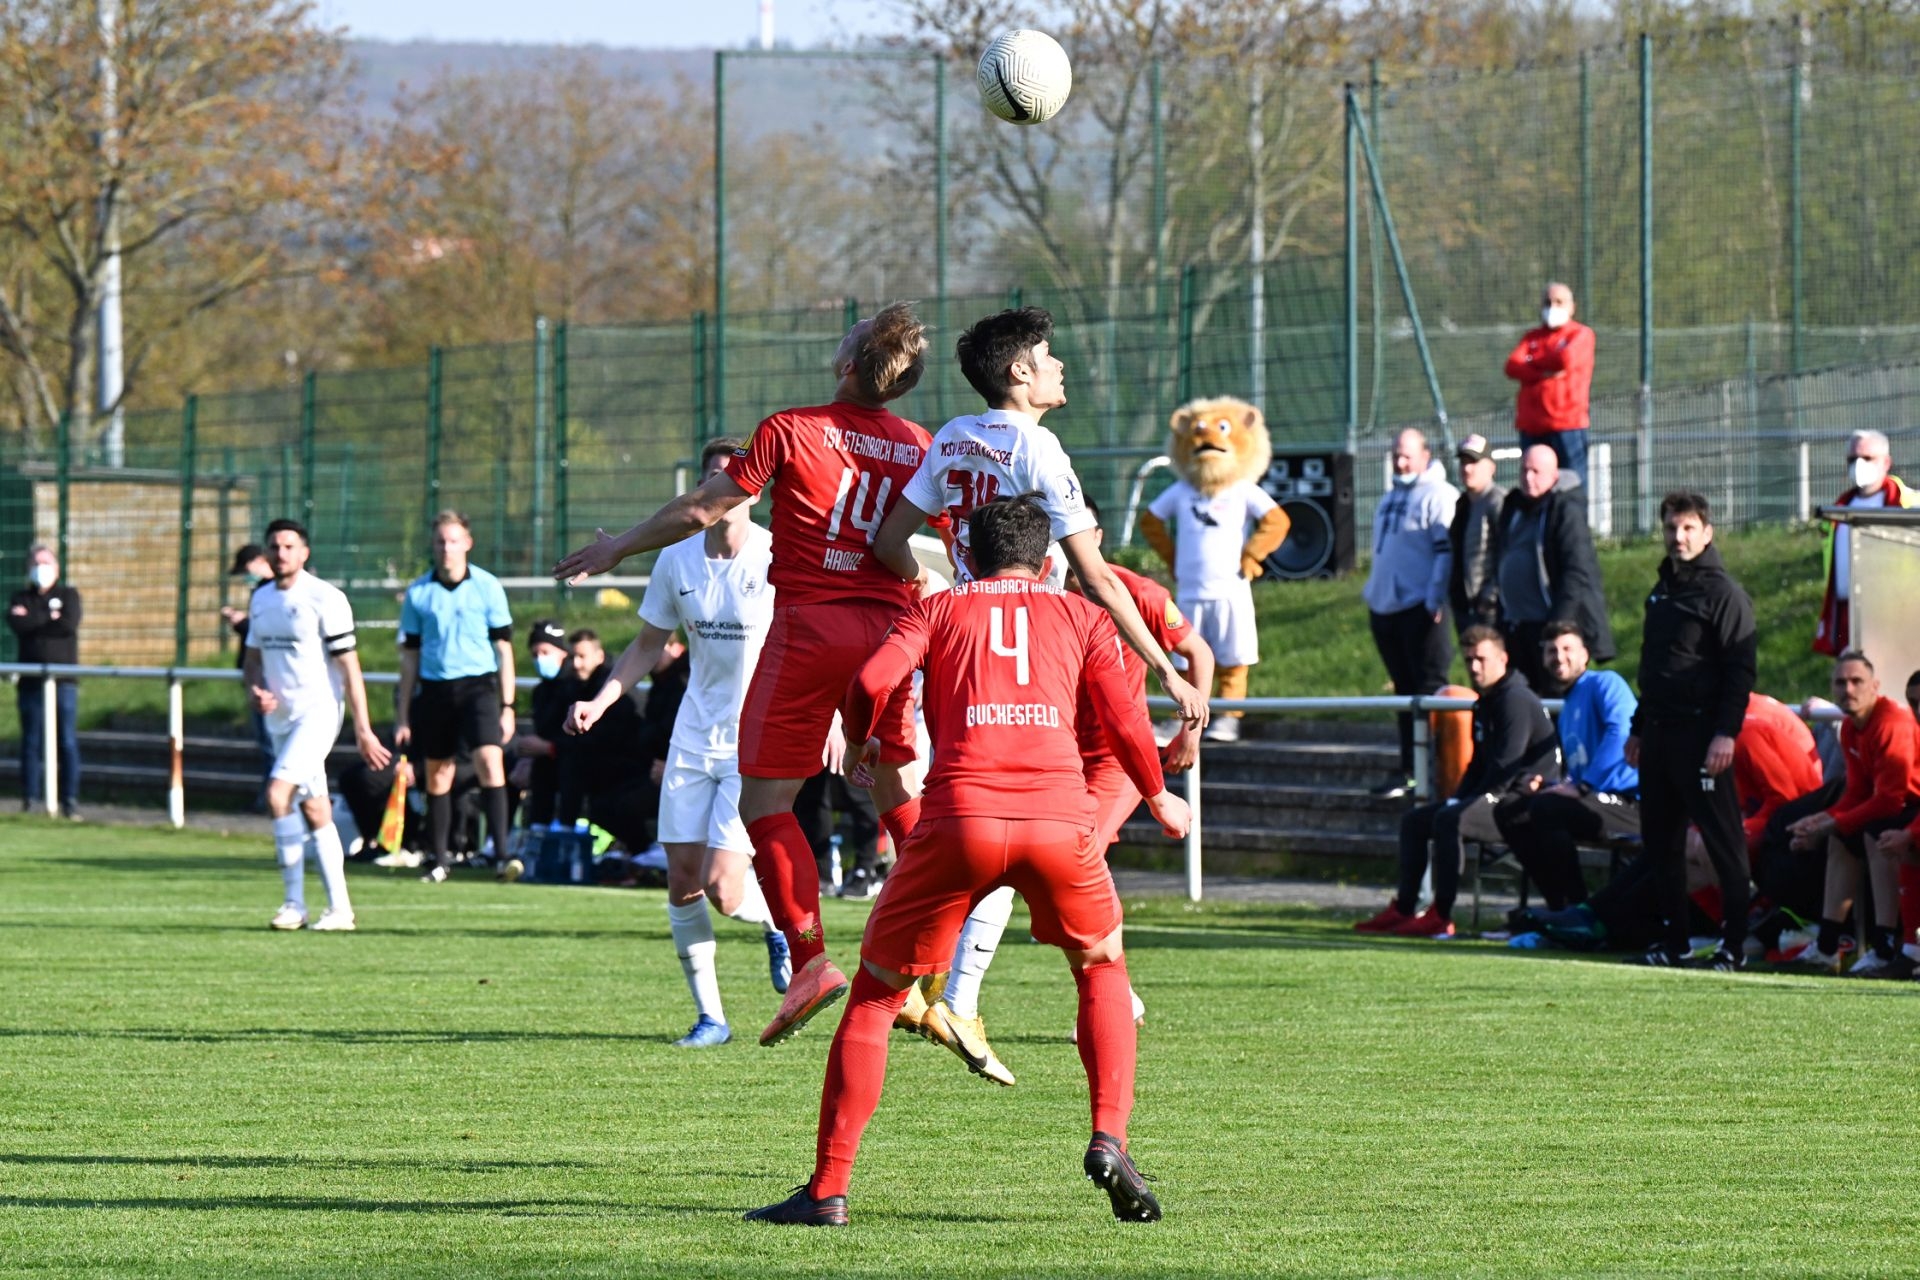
[1214, 526]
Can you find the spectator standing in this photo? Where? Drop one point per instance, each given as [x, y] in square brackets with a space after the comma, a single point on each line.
[1513, 748]
[1554, 366]
[250, 564]
[1545, 567]
[1471, 588]
[536, 748]
[45, 617]
[456, 684]
[1599, 799]
[1406, 591]
[1870, 484]
[1696, 671]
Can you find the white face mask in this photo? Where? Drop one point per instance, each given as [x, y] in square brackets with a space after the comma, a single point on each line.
[43, 576]
[1554, 317]
[548, 665]
[1405, 481]
[1865, 473]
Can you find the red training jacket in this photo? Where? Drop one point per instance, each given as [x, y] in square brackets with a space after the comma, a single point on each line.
[1881, 775]
[1554, 368]
[1774, 761]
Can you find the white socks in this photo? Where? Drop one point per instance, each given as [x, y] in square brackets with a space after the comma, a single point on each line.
[290, 843]
[753, 904]
[333, 867]
[693, 940]
[979, 939]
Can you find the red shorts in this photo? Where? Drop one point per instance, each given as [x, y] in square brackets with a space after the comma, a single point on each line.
[952, 863]
[811, 655]
[1114, 799]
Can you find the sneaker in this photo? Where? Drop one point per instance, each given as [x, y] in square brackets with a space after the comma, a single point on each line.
[818, 984]
[1793, 943]
[1723, 960]
[1393, 789]
[1577, 928]
[706, 1034]
[509, 871]
[1812, 957]
[861, 886]
[1386, 922]
[1658, 957]
[289, 917]
[332, 921]
[913, 1014]
[967, 1037]
[1222, 729]
[1872, 964]
[435, 874]
[1111, 1169]
[403, 859]
[802, 1210]
[779, 961]
[1428, 924]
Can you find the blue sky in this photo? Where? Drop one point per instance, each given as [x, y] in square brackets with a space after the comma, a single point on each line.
[636, 23]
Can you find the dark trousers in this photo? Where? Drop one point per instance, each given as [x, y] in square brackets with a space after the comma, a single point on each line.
[1675, 789]
[1417, 652]
[1442, 825]
[1545, 832]
[33, 741]
[825, 795]
[1569, 446]
[1523, 649]
[1796, 881]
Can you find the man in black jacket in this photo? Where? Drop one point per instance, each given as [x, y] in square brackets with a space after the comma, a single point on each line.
[1471, 588]
[1696, 670]
[536, 748]
[1514, 747]
[1544, 565]
[45, 617]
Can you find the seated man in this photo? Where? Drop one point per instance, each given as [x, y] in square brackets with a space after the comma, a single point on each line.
[535, 749]
[605, 770]
[1882, 795]
[1599, 798]
[1513, 746]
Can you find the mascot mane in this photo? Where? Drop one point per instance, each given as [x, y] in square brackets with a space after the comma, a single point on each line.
[1219, 441]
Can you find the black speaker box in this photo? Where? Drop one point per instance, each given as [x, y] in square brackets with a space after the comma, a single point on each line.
[1316, 491]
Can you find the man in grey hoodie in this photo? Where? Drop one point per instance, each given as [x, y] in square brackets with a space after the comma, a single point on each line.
[1406, 591]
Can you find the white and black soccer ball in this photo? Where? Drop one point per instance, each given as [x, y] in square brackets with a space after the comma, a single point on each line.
[1025, 76]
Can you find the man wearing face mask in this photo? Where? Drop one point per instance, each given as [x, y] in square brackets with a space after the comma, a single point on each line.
[1554, 366]
[45, 617]
[536, 768]
[1870, 483]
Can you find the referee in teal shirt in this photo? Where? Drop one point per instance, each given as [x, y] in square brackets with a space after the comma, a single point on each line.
[456, 685]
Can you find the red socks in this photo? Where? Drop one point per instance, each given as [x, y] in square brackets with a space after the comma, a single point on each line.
[1707, 898]
[1107, 1043]
[900, 822]
[856, 1070]
[783, 864]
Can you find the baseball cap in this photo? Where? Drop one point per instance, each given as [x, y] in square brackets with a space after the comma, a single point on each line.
[546, 631]
[1474, 449]
[246, 556]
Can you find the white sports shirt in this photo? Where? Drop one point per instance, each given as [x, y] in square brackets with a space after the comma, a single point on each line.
[1209, 534]
[977, 458]
[725, 607]
[297, 631]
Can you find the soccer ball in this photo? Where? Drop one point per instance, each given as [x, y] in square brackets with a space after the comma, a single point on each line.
[1025, 76]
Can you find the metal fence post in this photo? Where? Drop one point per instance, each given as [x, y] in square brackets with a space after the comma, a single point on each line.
[538, 509]
[719, 242]
[1351, 264]
[1795, 197]
[63, 483]
[561, 489]
[1643, 460]
[702, 429]
[1586, 181]
[433, 435]
[939, 218]
[189, 430]
[177, 750]
[309, 427]
[1185, 380]
[1193, 830]
[1422, 744]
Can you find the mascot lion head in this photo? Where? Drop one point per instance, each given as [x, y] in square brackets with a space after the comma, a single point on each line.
[1218, 442]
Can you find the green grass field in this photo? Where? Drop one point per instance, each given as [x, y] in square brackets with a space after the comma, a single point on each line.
[480, 1083]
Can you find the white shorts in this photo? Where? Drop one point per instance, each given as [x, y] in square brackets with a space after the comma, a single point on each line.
[300, 750]
[700, 802]
[1227, 625]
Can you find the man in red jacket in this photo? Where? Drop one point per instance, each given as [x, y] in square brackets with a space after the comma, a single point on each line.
[1554, 366]
[1882, 795]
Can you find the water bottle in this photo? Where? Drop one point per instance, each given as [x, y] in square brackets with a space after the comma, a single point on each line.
[833, 861]
[582, 846]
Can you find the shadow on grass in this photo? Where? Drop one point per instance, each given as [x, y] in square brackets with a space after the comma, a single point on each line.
[379, 1035]
[144, 863]
[290, 1162]
[316, 1204]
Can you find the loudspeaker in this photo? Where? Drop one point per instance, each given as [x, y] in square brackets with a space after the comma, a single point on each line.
[1316, 492]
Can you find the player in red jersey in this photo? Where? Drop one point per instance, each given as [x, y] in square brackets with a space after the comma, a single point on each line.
[1006, 659]
[835, 471]
[953, 1019]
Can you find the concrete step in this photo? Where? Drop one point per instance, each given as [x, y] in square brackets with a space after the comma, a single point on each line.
[1349, 766]
[1224, 838]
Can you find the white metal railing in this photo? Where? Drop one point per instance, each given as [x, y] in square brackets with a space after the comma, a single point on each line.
[176, 678]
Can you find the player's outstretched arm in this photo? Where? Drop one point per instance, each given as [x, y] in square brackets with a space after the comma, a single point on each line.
[1099, 584]
[1185, 747]
[881, 675]
[634, 662]
[1121, 713]
[372, 750]
[891, 544]
[686, 515]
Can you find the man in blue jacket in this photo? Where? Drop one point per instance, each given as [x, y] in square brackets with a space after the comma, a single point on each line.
[1600, 796]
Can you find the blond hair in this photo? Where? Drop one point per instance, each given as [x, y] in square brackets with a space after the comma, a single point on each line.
[886, 354]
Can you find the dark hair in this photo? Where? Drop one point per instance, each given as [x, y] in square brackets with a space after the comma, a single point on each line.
[245, 556]
[584, 633]
[1913, 679]
[1007, 532]
[287, 526]
[1482, 634]
[1093, 508]
[988, 349]
[1685, 502]
[719, 445]
[889, 354]
[450, 516]
[1564, 627]
[1855, 655]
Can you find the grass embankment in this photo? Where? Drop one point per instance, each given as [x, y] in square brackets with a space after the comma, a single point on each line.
[481, 1083]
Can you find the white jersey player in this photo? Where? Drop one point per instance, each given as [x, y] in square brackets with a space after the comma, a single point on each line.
[713, 588]
[300, 661]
